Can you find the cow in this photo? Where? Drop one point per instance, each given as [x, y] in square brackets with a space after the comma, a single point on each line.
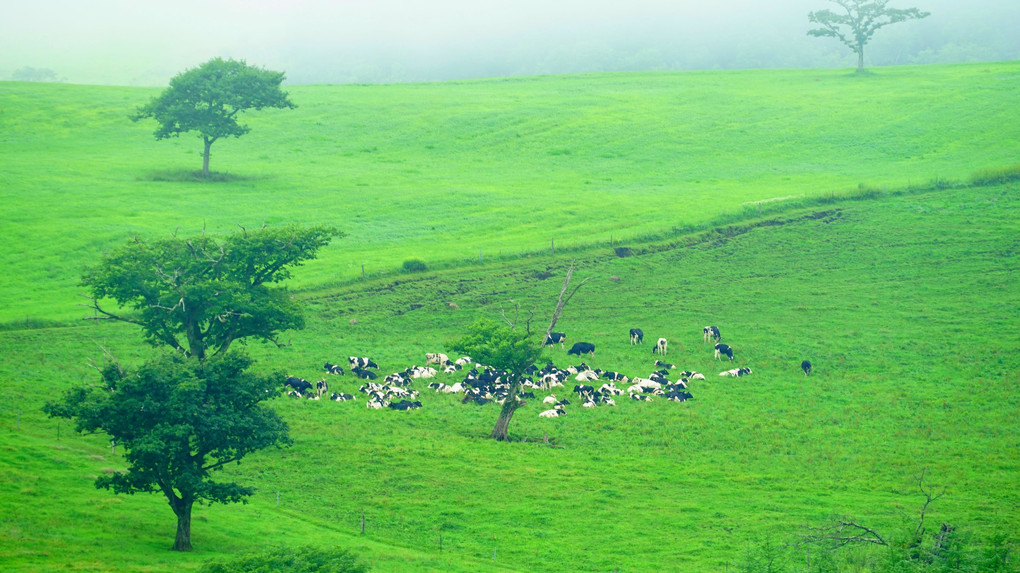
[615, 377]
[806, 367]
[661, 364]
[581, 389]
[640, 397]
[404, 405]
[712, 333]
[678, 396]
[557, 411]
[580, 348]
[300, 385]
[692, 375]
[321, 388]
[361, 362]
[556, 338]
[660, 347]
[636, 336]
[340, 397]
[436, 358]
[463, 361]
[362, 373]
[736, 372]
[586, 376]
[376, 404]
[550, 399]
[721, 349]
[333, 369]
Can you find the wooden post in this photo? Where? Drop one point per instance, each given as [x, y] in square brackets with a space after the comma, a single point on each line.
[113, 447]
[277, 497]
[362, 522]
[363, 271]
[552, 246]
[759, 208]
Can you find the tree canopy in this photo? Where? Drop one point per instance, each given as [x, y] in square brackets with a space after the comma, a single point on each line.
[179, 420]
[200, 294]
[858, 21]
[208, 99]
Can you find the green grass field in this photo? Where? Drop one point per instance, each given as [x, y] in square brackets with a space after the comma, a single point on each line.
[905, 301]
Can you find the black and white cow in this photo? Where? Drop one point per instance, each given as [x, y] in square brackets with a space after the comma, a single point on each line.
[361, 362]
[637, 336]
[362, 373]
[661, 364]
[405, 405]
[340, 397]
[660, 347]
[298, 384]
[334, 369]
[555, 412]
[436, 358]
[556, 338]
[580, 348]
[692, 375]
[712, 333]
[321, 388]
[583, 389]
[736, 372]
[806, 367]
[721, 349]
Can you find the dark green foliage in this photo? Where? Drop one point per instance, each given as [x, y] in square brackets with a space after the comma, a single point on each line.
[209, 98]
[858, 21]
[202, 293]
[414, 266]
[305, 559]
[179, 420]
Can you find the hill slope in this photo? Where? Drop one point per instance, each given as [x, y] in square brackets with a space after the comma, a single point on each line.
[907, 306]
[458, 171]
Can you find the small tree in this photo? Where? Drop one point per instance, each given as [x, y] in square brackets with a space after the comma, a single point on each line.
[209, 98]
[504, 348]
[200, 294]
[179, 420]
[859, 22]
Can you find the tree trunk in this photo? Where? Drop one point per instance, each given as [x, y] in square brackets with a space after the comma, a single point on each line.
[860, 59]
[183, 510]
[499, 432]
[205, 157]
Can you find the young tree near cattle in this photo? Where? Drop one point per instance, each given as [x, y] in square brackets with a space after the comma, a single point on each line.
[859, 22]
[187, 413]
[503, 348]
[200, 294]
[179, 420]
[209, 98]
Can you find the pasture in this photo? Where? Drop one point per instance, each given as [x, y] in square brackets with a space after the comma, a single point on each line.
[912, 371]
[455, 172]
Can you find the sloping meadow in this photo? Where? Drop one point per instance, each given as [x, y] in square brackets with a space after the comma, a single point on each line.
[906, 306]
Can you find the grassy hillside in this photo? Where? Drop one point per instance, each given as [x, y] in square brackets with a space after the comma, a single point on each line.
[458, 171]
[907, 305]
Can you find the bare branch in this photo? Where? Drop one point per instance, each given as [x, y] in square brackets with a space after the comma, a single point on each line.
[106, 315]
[563, 302]
[928, 498]
[844, 532]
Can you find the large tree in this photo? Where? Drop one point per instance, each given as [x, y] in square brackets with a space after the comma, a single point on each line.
[858, 21]
[208, 99]
[200, 294]
[179, 420]
[504, 348]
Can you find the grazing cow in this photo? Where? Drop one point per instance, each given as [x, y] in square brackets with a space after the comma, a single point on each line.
[362, 373]
[557, 411]
[361, 362]
[721, 349]
[580, 348]
[636, 336]
[299, 385]
[405, 405]
[340, 397]
[806, 367]
[321, 388]
[661, 364]
[660, 347]
[334, 369]
[556, 338]
[436, 358]
[712, 333]
[736, 372]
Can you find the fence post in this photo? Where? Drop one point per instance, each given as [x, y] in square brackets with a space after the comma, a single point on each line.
[362, 271]
[552, 246]
[19, 419]
[362, 522]
[277, 497]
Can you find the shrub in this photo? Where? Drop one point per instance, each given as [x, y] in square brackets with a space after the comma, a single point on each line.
[414, 266]
[291, 560]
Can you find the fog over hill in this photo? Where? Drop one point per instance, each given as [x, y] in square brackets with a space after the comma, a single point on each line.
[126, 42]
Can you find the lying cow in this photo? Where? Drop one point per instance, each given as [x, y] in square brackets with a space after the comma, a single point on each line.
[712, 333]
[736, 372]
[636, 336]
[361, 362]
[580, 348]
[362, 373]
[557, 411]
[661, 364]
[334, 369]
[340, 397]
[404, 405]
[721, 349]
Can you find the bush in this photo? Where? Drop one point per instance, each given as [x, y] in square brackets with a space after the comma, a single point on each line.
[291, 560]
[414, 266]
[995, 176]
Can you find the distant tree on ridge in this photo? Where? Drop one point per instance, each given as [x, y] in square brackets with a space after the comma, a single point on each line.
[862, 18]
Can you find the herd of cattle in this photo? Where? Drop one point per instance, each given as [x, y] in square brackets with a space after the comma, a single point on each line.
[483, 384]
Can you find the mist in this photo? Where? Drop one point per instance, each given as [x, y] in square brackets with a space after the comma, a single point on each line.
[126, 42]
